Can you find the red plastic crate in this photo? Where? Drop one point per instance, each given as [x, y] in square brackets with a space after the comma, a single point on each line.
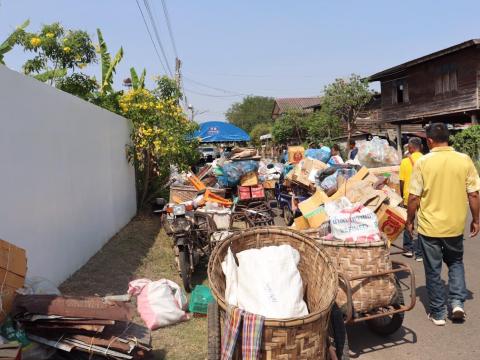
[244, 192]
[257, 192]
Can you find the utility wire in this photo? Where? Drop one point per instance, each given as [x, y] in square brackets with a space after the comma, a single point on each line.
[169, 26]
[213, 95]
[151, 37]
[157, 35]
[214, 88]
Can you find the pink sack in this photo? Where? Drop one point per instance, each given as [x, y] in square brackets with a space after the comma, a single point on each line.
[160, 303]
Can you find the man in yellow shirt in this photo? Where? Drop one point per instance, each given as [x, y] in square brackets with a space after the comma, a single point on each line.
[406, 167]
[442, 183]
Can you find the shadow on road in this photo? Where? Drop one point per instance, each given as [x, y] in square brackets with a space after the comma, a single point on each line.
[422, 295]
[361, 344]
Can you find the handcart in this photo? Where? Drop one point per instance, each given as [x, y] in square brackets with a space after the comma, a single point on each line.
[297, 338]
[369, 288]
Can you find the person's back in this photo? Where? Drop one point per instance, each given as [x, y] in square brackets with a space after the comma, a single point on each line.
[443, 205]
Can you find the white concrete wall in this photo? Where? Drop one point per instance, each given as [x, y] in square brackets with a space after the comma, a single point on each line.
[65, 184]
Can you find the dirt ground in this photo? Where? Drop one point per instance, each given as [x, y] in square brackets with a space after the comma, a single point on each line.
[142, 250]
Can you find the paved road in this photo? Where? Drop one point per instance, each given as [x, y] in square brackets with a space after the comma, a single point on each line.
[419, 338]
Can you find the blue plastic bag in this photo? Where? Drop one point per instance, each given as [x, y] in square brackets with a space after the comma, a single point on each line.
[322, 154]
[232, 172]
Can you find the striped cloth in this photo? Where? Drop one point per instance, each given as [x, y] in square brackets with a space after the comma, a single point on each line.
[231, 329]
[252, 332]
[252, 336]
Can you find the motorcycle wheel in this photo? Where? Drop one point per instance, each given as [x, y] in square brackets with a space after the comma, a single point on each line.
[184, 263]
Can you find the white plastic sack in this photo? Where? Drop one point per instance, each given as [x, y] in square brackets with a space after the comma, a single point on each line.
[266, 282]
[354, 224]
[160, 303]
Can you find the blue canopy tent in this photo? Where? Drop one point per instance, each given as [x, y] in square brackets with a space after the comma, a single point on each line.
[217, 131]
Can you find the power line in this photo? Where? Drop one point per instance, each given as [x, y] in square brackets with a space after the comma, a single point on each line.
[151, 37]
[169, 26]
[157, 36]
[214, 88]
[214, 95]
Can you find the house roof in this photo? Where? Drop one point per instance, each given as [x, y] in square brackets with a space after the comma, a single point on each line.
[396, 69]
[300, 104]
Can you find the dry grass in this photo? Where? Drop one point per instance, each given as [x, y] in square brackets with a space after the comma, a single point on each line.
[142, 250]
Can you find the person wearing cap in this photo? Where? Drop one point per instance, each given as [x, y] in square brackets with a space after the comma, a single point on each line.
[443, 182]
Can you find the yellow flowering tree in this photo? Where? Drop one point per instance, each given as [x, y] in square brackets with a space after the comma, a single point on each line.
[56, 51]
[161, 136]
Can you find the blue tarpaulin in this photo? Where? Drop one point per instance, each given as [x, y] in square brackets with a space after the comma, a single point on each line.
[217, 131]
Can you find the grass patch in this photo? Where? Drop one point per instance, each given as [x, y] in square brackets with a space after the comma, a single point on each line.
[142, 250]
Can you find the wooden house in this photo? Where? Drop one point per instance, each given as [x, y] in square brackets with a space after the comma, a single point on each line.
[439, 87]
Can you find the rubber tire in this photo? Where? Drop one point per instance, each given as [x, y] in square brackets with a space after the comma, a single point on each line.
[184, 263]
[339, 334]
[381, 326]
[287, 216]
[213, 331]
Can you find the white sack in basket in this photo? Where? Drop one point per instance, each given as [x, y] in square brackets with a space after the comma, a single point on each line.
[266, 282]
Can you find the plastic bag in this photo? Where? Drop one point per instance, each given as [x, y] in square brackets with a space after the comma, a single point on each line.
[354, 223]
[330, 182]
[233, 171]
[377, 153]
[322, 154]
[266, 282]
[39, 286]
[160, 303]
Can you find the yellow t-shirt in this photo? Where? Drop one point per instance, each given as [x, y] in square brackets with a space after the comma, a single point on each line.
[406, 169]
[442, 180]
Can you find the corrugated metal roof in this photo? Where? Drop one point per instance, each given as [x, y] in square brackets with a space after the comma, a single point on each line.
[401, 67]
[300, 104]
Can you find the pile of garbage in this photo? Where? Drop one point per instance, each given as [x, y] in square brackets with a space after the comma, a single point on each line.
[350, 196]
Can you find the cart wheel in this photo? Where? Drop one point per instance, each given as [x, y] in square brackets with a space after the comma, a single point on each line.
[389, 324]
[287, 215]
[339, 334]
[184, 263]
[213, 331]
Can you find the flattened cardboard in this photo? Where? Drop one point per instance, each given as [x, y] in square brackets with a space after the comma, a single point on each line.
[13, 268]
[393, 198]
[300, 223]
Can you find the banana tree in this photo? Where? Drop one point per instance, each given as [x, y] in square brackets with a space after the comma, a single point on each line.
[138, 82]
[108, 64]
[11, 40]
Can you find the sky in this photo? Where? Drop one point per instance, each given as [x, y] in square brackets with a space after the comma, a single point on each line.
[277, 48]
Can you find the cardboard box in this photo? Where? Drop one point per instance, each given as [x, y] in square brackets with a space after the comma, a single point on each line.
[249, 179]
[313, 209]
[300, 223]
[391, 222]
[295, 154]
[13, 268]
[393, 198]
[270, 184]
[306, 168]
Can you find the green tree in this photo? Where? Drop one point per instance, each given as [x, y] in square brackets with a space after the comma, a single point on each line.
[289, 127]
[167, 88]
[345, 99]
[56, 52]
[259, 130]
[321, 127]
[108, 64]
[78, 84]
[11, 40]
[250, 111]
[468, 142]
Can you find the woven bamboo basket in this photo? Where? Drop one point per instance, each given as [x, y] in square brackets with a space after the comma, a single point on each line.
[183, 193]
[297, 338]
[352, 259]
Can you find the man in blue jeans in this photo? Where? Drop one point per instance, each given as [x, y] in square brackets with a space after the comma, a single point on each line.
[442, 183]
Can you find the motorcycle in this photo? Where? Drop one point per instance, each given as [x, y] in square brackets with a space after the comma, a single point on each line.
[190, 231]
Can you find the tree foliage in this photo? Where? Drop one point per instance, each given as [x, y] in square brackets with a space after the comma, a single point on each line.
[468, 142]
[345, 99]
[138, 82]
[12, 39]
[161, 136]
[259, 130]
[108, 64]
[56, 51]
[167, 88]
[250, 111]
[78, 84]
[312, 128]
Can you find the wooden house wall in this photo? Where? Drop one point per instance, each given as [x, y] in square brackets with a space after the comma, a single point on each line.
[423, 102]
